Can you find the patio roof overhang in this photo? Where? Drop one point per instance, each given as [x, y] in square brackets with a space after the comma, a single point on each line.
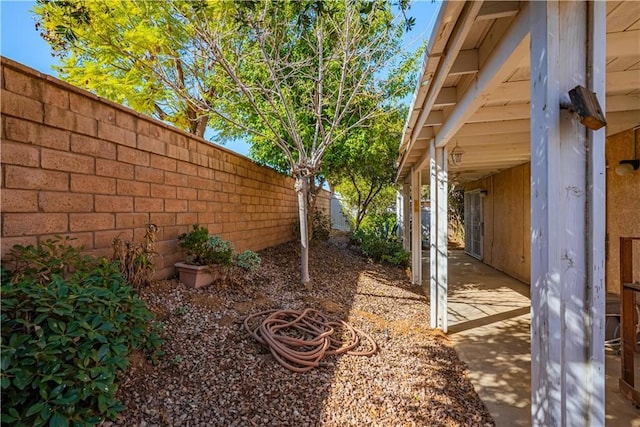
[473, 95]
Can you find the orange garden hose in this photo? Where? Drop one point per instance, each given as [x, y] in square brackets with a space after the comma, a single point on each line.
[299, 340]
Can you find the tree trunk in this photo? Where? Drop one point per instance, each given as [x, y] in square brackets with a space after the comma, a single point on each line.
[302, 188]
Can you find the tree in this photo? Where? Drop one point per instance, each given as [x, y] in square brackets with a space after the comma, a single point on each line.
[363, 167]
[296, 75]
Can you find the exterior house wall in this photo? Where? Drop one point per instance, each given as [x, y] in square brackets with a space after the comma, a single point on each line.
[506, 210]
[74, 164]
[623, 206]
[506, 220]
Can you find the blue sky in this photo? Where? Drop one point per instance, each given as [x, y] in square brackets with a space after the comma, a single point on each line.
[20, 41]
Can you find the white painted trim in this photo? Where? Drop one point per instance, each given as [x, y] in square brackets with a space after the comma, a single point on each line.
[433, 235]
[438, 248]
[406, 213]
[416, 228]
[546, 408]
[425, 159]
[443, 247]
[596, 213]
[400, 224]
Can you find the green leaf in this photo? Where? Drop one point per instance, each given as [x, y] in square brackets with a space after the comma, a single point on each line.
[21, 379]
[56, 326]
[8, 419]
[103, 403]
[34, 409]
[57, 391]
[58, 420]
[82, 376]
[46, 413]
[103, 352]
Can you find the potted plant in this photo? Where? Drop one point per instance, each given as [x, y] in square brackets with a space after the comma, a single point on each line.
[207, 257]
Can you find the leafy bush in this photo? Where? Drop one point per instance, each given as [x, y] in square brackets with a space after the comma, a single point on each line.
[248, 261]
[194, 244]
[202, 249]
[321, 225]
[68, 323]
[381, 246]
[380, 224]
[220, 251]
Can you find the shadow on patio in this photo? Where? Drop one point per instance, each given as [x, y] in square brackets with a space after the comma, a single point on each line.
[489, 323]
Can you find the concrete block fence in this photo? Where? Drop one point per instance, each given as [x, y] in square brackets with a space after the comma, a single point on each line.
[77, 165]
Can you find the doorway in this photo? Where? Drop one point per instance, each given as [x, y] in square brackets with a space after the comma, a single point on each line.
[473, 224]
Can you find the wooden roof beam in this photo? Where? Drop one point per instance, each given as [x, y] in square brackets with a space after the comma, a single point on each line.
[623, 103]
[473, 130]
[620, 81]
[513, 45]
[435, 118]
[622, 120]
[489, 163]
[446, 97]
[614, 104]
[498, 9]
[466, 63]
[623, 43]
[516, 138]
[464, 25]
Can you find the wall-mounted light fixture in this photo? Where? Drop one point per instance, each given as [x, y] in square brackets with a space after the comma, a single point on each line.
[585, 105]
[628, 166]
[456, 155]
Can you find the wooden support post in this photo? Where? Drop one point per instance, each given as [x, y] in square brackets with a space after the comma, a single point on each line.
[567, 218]
[416, 228]
[406, 215]
[596, 286]
[438, 238]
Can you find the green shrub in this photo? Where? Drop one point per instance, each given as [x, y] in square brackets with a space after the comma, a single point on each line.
[321, 225]
[68, 323]
[380, 247]
[381, 224]
[220, 251]
[202, 249]
[248, 261]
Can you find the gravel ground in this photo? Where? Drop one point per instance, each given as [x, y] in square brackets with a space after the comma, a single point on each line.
[214, 374]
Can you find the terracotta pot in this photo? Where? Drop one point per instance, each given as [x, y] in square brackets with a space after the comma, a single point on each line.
[197, 276]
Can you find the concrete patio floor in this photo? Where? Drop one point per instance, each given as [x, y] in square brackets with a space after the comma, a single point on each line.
[489, 324]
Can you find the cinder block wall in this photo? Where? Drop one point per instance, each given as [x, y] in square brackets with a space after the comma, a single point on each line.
[77, 165]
